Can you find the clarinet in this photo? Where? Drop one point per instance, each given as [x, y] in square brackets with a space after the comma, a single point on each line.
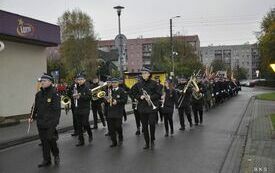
[75, 92]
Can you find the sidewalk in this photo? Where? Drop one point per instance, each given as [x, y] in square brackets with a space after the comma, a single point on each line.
[17, 134]
[259, 154]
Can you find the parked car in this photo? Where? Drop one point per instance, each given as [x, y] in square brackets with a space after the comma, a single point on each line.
[248, 83]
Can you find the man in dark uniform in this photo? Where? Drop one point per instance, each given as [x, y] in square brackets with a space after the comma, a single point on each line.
[107, 105]
[148, 96]
[132, 93]
[184, 101]
[47, 112]
[96, 106]
[159, 112]
[115, 112]
[197, 103]
[83, 109]
[168, 102]
[70, 94]
[126, 90]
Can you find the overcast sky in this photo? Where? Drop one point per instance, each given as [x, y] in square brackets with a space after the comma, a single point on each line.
[214, 21]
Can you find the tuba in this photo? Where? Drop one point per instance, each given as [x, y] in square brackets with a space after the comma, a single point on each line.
[98, 92]
[196, 94]
[65, 100]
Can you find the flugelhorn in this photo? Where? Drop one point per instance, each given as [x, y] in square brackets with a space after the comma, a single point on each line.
[148, 99]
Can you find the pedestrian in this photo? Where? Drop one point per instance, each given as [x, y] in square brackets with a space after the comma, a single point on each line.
[168, 102]
[116, 100]
[108, 90]
[47, 112]
[184, 102]
[96, 106]
[132, 94]
[82, 110]
[148, 96]
[70, 93]
[197, 103]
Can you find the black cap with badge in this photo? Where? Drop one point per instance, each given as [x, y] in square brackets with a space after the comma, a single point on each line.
[46, 76]
[115, 80]
[145, 69]
[80, 76]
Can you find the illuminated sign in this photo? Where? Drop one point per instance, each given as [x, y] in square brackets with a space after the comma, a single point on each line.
[25, 29]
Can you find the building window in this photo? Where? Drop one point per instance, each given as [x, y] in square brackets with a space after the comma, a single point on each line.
[147, 48]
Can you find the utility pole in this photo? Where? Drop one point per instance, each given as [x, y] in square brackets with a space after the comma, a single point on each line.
[171, 44]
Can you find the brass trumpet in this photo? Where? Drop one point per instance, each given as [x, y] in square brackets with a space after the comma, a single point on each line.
[148, 99]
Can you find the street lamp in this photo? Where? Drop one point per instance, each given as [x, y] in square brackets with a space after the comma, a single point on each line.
[119, 8]
[171, 43]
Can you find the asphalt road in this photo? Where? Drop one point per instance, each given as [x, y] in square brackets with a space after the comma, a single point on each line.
[198, 150]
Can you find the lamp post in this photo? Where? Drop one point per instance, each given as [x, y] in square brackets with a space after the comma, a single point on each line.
[119, 8]
[171, 44]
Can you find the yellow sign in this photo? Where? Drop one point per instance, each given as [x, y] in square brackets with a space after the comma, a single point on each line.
[273, 67]
[131, 78]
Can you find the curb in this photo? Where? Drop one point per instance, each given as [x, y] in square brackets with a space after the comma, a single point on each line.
[232, 162]
[26, 139]
[272, 129]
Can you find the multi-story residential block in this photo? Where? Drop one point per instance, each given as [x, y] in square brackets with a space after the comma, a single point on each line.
[246, 56]
[138, 51]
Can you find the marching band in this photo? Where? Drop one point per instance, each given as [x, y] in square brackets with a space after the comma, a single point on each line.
[149, 98]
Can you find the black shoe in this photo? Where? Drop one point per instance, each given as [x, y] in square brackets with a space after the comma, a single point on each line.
[152, 145]
[107, 134]
[120, 142]
[166, 135]
[44, 164]
[79, 144]
[125, 119]
[146, 147]
[137, 132]
[172, 132]
[74, 134]
[90, 139]
[56, 160]
[113, 145]
[95, 128]
[40, 144]
[182, 128]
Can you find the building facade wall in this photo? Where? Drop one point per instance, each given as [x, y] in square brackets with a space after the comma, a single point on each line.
[139, 50]
[246, 56]
[20, 67]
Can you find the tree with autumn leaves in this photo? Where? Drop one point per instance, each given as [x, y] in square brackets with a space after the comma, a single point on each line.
[186, 61]
[267, 44]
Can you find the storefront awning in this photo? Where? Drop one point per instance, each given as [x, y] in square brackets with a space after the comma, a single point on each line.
[19, 28]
